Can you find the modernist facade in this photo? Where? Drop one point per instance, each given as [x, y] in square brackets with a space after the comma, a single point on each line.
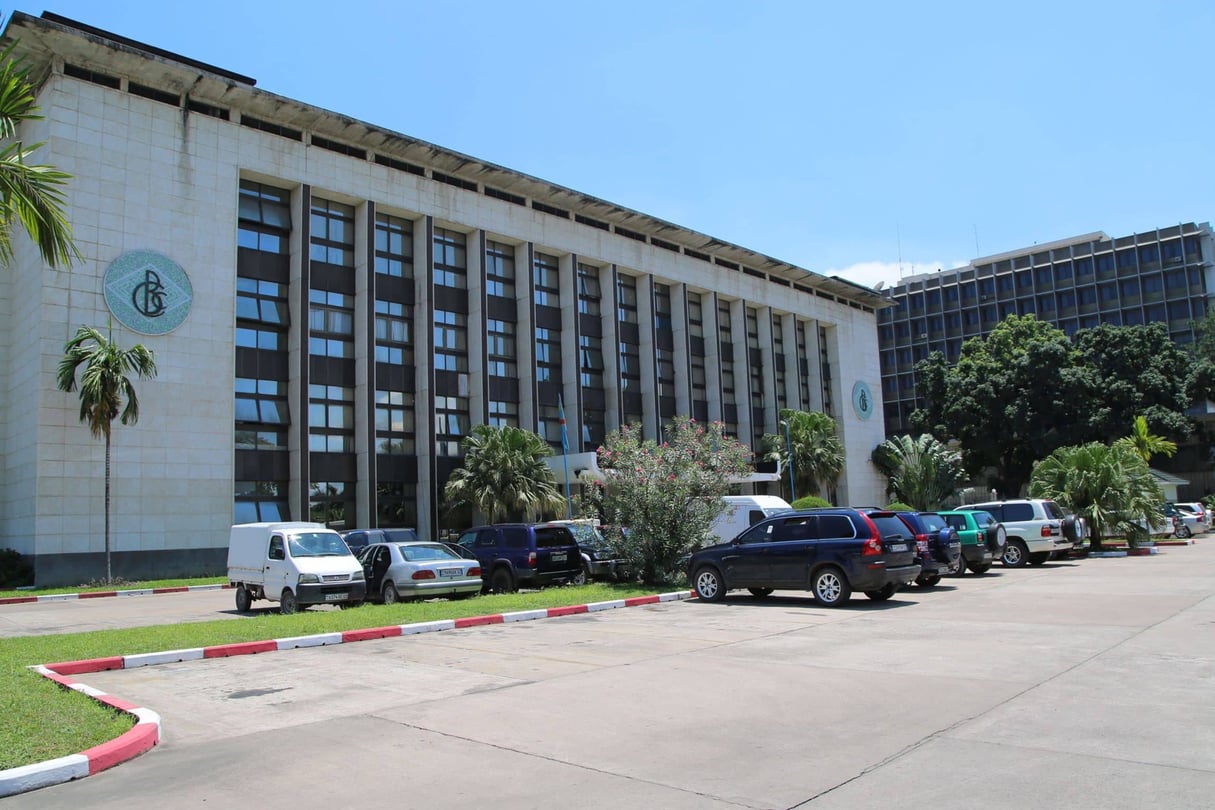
[332, 306]
[1165, 275]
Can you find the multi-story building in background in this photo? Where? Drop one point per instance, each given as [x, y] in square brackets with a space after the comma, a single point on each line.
[1166, 275]
[333, 306]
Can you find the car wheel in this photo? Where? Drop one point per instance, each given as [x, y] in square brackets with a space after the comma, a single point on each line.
[1015, 554]
[391, 597]
[287, 603]
[501, 581]
[1039, 557]
[958, 568]
[709, 585]
[582, 577]
[928, 581]
[886, 592]
[1183, 531]
[760, 592]
[243, 600]
[979, 568]
[830, 587]
[997, 537]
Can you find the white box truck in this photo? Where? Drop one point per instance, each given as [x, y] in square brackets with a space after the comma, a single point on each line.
[294, 564]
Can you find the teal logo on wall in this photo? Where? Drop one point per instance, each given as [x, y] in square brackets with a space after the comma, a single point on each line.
[862, 399]
[148, 292]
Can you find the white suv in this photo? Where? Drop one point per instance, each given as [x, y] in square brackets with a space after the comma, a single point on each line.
[1037, 529]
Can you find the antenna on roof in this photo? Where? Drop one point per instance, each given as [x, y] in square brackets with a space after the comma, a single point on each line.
[898, 239]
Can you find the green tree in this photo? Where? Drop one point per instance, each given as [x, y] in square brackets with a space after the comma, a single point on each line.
[1145, 443]
[1110, 486]
[1133, 371]
[818, 453]
[667, 494]
[504, 474]
[30, 193]
[106, 390]
[921, 470]
[1011, 399]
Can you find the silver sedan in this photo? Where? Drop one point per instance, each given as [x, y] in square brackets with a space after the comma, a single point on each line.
[397, 571]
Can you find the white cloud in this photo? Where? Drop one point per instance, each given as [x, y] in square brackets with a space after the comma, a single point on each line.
[870, 273]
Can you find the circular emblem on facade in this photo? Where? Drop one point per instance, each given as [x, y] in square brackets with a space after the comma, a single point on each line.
[862, 399]
[148, 292]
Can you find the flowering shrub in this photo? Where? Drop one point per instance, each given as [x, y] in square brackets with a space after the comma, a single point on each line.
[667, 494]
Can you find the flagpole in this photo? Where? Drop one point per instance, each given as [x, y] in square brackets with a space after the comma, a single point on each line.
[565, 459]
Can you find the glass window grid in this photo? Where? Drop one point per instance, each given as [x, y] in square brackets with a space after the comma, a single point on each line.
[264, 218]
[752, 328]
[503, 414]
[451, 341]
[395, 416]
[449, 252]
[548, 355]
[393, 246]
[247, 439]
[262, 301]
[626, 293]
[630, 367]
[500, 269]
[549, 425]
[261, 401]
[500, 349]
[331, 232]
[330, 419]
[331, 502]
[589, 291]
[662, 308]
[546, 273]
[396, 503]
[451, 424]
[696, 325]
[393, 332]
[269, 339]
[590, 361]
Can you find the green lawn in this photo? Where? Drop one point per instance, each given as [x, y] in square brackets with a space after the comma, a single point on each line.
[40, 720]
[125, 586]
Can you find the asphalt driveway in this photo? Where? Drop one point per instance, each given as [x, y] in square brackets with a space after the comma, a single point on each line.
[1079, 684]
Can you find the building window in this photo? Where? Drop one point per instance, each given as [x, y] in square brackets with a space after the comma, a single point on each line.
[548, 355]
[501, 349]
[726, 336]
[260, 501]
[451, 424]
[393, 333]
[394, 422]
[626, 292]
[263, 301]
[630, 368]
[696, 321]
[330, 419]
[261, 401]
[247, 439]
[590, 361]
[593, 429]
[332, 232]
[264, 218]
[451, 341]
[450, 259]
[393, 246]
[503, 414]
[662, 308]
[330, 324]
[666, 372]
[331, 503]
[546, 271]
[780, 363]
[250, 338]
[589, 294]
[500, 269]
[396, 504]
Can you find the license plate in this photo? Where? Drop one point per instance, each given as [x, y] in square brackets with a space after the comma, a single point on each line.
[898, 546]
[335, 597]
[450, 572]
[558, 556]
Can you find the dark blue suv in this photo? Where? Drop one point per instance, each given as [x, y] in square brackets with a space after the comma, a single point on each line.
[829, 552]
[523, 554]
[939, 545]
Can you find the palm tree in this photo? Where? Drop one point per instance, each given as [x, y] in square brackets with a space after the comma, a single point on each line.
[29, 193]
[504, 473]
[1146, 443]
[923, 472]
[105, 390]
[1110, 486]
[818, 454]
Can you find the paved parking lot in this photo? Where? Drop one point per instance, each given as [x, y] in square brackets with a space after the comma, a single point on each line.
[1080, 684]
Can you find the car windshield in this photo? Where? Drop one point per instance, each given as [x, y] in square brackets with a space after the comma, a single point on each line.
[318, 544]
[427, 553]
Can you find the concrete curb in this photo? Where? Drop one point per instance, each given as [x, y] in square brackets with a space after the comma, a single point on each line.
[67, 597]
[146, 732]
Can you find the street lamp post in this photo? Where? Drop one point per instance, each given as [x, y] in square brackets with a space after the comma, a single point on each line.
[789, 450]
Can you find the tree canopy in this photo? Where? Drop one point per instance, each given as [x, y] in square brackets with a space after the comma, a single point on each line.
[505, 474]
[921, 470]
[818, 453]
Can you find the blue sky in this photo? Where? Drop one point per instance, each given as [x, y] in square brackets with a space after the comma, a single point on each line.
[859, 139]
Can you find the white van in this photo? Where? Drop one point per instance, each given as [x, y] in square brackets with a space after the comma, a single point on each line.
[742, 512]
[294, 564]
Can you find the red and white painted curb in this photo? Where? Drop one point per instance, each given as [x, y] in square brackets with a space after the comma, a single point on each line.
[146, 732]
[68, 597]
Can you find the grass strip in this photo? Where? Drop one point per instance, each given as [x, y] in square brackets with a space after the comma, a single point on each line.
[40, 720]
[117, 586]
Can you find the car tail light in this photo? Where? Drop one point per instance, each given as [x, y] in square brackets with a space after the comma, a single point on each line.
[531, 559]
[1047, 531]
[921, 542]
[475, 571]
[423, 574]
[872, 547]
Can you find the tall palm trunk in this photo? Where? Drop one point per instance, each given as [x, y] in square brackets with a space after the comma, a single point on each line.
[109, 577]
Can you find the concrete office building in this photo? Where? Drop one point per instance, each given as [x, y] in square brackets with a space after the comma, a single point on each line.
[1165, 275]
[333, 305]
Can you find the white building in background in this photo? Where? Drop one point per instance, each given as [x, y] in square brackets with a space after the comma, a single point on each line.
[333, 305]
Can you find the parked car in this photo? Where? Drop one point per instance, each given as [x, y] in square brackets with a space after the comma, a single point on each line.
[1036, 528]
[403, 571]
[829, 552]
[358, 539]
[741, 512]
[1193, 519]
[598, 559]
[294, 564]
[938, 544]
[514, 555]
[982, 538]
